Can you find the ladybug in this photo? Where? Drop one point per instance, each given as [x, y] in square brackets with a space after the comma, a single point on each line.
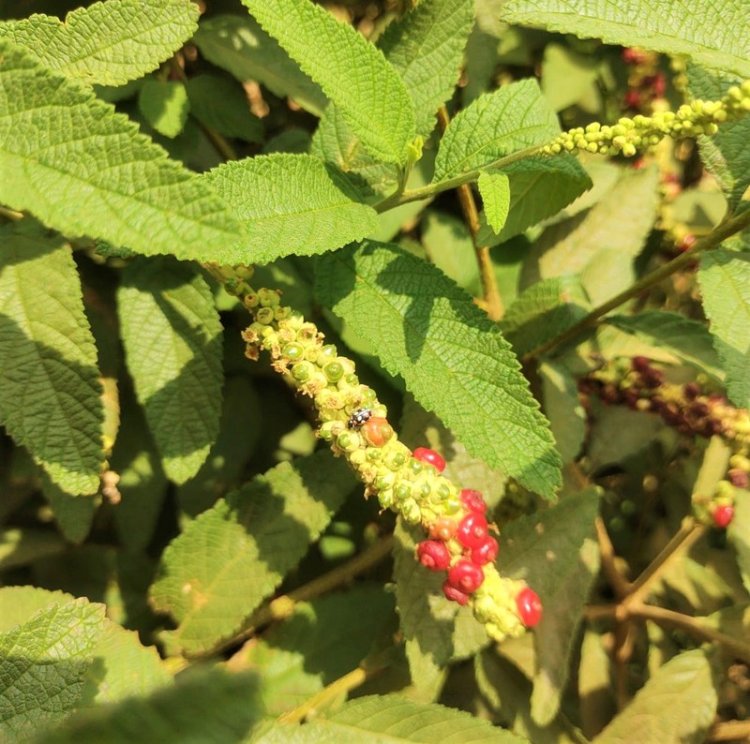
[359, 418]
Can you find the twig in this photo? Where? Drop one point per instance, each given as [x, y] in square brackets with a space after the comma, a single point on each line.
[730, 731]
[617, 581]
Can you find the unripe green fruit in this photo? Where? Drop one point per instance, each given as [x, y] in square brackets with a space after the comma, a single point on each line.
[302, 371]
[293, 351]
[333, 371]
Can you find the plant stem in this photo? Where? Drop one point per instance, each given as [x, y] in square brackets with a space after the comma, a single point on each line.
[617, 581]
[730, 731]
[490, 291]
[725, 230]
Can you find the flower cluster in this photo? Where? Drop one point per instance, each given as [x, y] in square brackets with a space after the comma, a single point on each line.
[629, 135]
[692, 411]
[355, 424]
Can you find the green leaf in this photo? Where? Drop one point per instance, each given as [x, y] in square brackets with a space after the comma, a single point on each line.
[724, 278]
[380, 718]
[494, 186]
[322, 641]
[19, 547]
[539, 188]
[739, 535]
[494, 125]
[556, 552]
[165, 106]
[351, 71]
[426, 47]
[43, 664]
[74, 514]
[109, 42]
[220, 104]
[84, 169]
[236, 553]
[696, 28]
[209, 706]
[291, 204]
[452, 358]
[567, 77]
[50, 395]
[543, 311]
[687, 339]
[240, 46]
[677, 705]
[563, 408]
[173, 346]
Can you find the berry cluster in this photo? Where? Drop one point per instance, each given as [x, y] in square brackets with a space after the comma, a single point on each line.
[646, 82]
[355, 424]
[629, 135]
[692, 411]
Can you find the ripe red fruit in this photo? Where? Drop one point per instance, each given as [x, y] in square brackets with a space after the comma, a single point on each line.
[466, 576]
[430, 457]
[473, 500]
[433, 555]
[529, 607]
[377, 431]
[486, 552]
[472, 530]
[723, 515]
[455, 594]
[443, 529]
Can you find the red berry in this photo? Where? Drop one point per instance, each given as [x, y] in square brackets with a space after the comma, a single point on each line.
[430, 457]
[454, 594]
[473, 500]
[472, 530]
[443, 529]
[466, 576]
[641, 363]
[377, 431]
[433, 555]
[723, 515]
[486, 552]
[633, 99]
[529, 607]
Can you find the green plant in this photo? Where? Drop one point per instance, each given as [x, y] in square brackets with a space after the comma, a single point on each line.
[237, 294]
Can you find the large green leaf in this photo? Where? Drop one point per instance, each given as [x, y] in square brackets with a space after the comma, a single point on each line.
[50, 391]
[676, 706]
[108, 42]
[207, 706]
[557, 553]
[351, 71]
[388, 718]
[43, 665]
[452, 358]
[724, 279]
[291, 204]
[173, 345]
[712, 32]
[426, 46]
[240, 46]
[68, 158]
[236, 553]
[494, 186]
[495, 124]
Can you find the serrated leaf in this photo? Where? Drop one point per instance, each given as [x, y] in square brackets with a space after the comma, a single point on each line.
[207, 706]
[711, 32]
[108, 43]
[452, 358]
[539, 188]
[352, 73]
[494, 125]
[677, 705]
[379, 718]
[543, 311]
[43, 663]
[556, 552]
[322, 641]
[84, 169]
[724, 278]
[240, 46]
[291, 204]
[494, 186]
[165, 105]
[687, 339]
[562, 406]
[173, 347]
[50, 393]
[236, 553]
[725, 154]
[220, 104]
[426, 46]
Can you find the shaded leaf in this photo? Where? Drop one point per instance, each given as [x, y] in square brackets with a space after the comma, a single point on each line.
[165, 106]
[448, 243]
[566, 415]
